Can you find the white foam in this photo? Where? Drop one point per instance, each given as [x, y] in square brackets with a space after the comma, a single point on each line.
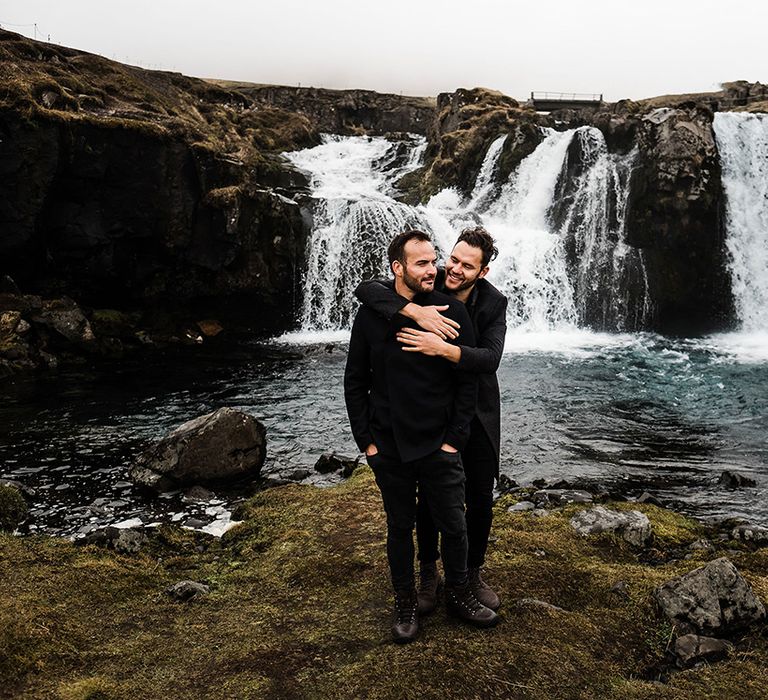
[313, 337]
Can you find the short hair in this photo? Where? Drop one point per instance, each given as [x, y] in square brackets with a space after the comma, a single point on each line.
[396, 250]
[478, 237]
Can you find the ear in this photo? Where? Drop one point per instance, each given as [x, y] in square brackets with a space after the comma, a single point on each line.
[397, 268]
[483, 272]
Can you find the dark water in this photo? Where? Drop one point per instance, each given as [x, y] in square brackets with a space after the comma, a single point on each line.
[630, 412]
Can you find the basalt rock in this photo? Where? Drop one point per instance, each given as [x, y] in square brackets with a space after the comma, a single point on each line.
[467, 122]
[673, 216]
[220, 446]
[735, 480]
[692, 649]
[714, 599]
[332, 462]
[348, 112]
[126, 188]
[633, 526]
[13, 508]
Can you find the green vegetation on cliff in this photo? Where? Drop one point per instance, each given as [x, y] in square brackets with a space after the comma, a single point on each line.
[299, 608]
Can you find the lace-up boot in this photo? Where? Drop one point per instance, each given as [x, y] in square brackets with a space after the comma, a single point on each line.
[483, 592]
[429, 585]
[461, 602]
[406, 619]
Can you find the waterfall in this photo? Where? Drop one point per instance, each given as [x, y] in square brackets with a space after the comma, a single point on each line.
[742, 140]
[610, 285]
[484, 183]
[559, 229]
[354, 219]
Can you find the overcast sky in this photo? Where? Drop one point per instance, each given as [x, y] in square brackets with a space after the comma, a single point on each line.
[621, 49]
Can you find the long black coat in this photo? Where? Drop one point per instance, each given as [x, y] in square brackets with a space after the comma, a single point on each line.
[406, 403]
[487, 308]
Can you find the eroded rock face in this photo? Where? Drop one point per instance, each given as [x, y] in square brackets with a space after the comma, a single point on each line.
[467, 123]
[633, 526]
[673, 216]
[148, 190]
[712, 600]
[350, 112]
[224, 445]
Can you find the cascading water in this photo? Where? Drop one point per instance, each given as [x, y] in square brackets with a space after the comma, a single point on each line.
[354, 219]
[549, 285]
[742, 140]
[610, 285]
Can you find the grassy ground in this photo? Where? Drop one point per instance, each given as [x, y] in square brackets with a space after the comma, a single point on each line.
[299, 608]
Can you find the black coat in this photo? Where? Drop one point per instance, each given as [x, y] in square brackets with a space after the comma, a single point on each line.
[487, 307]
[406, 403]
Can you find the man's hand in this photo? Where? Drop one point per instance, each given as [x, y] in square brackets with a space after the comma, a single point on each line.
[430, 319]
[445, 447]
[414, 340]
[371, 450]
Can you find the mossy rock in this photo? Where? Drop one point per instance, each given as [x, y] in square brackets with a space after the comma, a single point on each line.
[13, 508]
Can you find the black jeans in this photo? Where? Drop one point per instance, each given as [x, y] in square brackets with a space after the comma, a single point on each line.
[440, 476]
[481, 468]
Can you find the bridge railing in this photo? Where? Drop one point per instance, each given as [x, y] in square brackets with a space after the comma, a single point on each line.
[567, 96]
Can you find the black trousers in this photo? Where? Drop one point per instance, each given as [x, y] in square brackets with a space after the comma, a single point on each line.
[481, 468]
[440, 477]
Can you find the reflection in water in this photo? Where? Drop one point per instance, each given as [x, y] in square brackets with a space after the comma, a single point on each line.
[640, 412]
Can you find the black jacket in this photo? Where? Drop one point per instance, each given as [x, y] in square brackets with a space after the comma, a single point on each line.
[487, 307]
[406, 403]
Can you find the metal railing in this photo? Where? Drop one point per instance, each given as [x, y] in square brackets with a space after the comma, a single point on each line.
[567, 96]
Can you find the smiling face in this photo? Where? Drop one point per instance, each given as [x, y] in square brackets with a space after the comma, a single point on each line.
[416, 273]
[464, 267]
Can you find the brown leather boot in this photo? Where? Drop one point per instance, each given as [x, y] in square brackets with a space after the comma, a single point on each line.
[483, 592]
[461, 602]
[429, 585]
[405, 626]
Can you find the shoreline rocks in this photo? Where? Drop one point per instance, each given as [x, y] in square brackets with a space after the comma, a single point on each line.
[633, 526]
[713, 599]
[13, 508]
[223, 445]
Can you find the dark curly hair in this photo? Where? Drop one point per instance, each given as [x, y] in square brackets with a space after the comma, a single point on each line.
[478, 237]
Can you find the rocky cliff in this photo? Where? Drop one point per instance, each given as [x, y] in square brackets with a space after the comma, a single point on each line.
[133, 189]
[348, 112]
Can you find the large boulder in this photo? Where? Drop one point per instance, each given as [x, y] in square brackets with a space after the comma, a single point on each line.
[713, 600]
[633, 526]
[224, 445]
[13, 508]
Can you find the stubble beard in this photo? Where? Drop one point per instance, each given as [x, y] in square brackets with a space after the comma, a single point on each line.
[416, 285]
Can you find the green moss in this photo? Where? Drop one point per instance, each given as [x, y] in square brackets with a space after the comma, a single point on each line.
[13, 508]
[300, 603]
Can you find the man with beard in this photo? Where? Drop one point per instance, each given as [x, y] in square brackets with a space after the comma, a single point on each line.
[465, 269]
[410, 413]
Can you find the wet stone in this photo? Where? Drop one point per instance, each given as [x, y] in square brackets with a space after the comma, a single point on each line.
[561, 497]
[332, 462]
[735, 480]
[757, 534]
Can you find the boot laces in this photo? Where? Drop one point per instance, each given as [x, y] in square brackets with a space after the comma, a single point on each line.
[467, 600]
[405, 606]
